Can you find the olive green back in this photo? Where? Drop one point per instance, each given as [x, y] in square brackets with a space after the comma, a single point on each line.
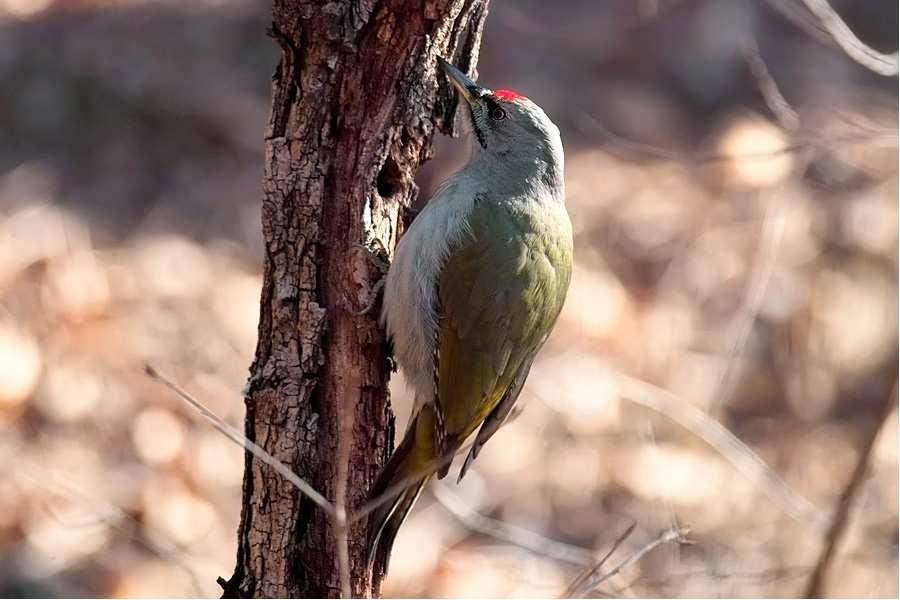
[500, 293]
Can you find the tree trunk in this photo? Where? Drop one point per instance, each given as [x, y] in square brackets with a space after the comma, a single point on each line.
[355, 105]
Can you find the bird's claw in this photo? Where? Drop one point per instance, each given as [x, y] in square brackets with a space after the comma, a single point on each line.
[373, 298]
[377, 254]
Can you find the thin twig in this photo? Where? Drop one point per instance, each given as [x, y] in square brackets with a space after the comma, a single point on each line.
[775, 100]
[741, 325]
[507, 532]
[239, 439]
[345, 429]
[815, 588]
[678, 535]
[578, 582]
[353, 516]
[745, 460]
[342, 541]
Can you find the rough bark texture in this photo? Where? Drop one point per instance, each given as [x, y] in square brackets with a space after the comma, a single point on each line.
[355, 104]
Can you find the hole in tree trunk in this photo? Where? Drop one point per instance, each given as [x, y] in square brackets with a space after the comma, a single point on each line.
[390, 179]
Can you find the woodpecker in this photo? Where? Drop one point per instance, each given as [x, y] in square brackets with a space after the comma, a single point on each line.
[473, 292]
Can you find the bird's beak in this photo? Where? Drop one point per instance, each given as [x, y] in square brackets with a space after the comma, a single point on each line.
[468, 89]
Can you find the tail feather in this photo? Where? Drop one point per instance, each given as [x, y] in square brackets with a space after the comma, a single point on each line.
[383, 541]
[386, 519]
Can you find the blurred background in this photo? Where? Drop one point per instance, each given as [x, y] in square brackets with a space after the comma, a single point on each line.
[732, 178]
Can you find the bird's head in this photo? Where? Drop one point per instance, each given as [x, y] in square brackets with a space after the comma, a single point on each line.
[507, 125]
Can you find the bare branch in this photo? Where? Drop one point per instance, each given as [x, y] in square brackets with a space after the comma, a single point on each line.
[815, 588]
[775, 100]
[678, 535]
[747, 462]
[828, 28]
[883, 64]
[507, 532]
[239, 439]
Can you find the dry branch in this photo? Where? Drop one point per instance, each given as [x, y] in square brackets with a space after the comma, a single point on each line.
[827, 27]
[775, 100]
[816, 586]
[239, 439]
[883, 64]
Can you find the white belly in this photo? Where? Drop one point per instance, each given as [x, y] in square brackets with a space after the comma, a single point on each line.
[410, 307]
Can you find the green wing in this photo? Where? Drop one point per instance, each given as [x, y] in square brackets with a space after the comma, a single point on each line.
[500, 294]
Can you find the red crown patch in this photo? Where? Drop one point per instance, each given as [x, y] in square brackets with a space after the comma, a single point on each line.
[508, 95]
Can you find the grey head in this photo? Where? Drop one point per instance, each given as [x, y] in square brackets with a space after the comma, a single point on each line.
[515, 138]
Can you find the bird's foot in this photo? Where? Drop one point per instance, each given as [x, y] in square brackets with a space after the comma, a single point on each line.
[388, 347]
[373, 298]
[377, 256]
[376, 253]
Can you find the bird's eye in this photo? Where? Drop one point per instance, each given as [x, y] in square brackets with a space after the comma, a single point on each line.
[497, 113]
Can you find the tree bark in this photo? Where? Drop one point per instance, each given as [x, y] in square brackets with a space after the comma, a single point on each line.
[355, 104]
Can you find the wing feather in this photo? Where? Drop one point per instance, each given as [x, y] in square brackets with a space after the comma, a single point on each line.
[500, 292]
